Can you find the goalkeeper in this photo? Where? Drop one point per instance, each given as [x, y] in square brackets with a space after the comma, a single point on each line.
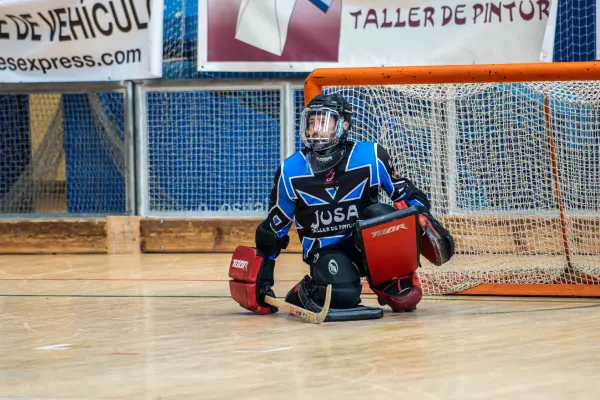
[331, 189]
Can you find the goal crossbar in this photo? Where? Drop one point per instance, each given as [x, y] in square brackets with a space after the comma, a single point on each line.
[481, 73]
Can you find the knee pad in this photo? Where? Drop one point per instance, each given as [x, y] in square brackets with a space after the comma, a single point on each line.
[401, 294]
[337, 269]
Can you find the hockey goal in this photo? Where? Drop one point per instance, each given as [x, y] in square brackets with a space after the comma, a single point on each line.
[510, 157]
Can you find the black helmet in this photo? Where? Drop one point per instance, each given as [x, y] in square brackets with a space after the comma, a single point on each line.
[325, 122]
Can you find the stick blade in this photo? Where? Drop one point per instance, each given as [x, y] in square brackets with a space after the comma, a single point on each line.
[306, 315]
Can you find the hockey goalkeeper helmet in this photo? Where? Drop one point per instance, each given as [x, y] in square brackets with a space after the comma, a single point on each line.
[325, 122]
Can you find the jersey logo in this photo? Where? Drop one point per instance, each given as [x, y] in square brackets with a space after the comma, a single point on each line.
[330, 178]
[323, 219]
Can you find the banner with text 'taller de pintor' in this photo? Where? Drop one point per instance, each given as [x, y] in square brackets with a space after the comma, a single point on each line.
[300, 35]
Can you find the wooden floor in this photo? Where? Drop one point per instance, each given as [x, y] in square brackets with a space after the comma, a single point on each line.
[164, 327]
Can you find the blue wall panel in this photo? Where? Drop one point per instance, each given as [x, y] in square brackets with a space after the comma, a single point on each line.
[94, 182]
[15, 148]
[212, 151]
[575, 36]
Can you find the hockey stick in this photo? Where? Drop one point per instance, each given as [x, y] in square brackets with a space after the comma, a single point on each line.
[309, 316]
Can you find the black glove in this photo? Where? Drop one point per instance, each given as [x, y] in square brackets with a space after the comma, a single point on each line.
[268, 242]
[416, 197]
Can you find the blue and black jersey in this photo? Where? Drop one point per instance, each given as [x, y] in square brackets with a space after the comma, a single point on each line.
[326, 206]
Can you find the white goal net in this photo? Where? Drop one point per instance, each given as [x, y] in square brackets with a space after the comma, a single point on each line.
[512, 170]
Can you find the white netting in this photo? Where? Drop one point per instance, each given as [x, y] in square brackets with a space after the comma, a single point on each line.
[575, 31]
[212, 152]
[483, 154]
[63, 154]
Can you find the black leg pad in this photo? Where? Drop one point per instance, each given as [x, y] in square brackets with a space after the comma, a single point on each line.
[306, 291]
[354, 314]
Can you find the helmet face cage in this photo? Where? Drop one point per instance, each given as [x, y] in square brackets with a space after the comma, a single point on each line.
[321, 129]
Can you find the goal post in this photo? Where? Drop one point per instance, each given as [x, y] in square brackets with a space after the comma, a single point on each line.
[510, 157]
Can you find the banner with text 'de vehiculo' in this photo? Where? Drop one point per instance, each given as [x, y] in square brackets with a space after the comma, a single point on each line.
[80, 40]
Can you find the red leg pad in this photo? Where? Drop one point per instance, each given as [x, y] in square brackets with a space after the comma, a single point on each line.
[389, 245]
[244, 268]
[405, 300]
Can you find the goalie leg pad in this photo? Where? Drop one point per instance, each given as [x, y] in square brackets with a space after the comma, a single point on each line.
[251, 279]
[389, 244]
[388, 240]
[357, 313]
[401, 294]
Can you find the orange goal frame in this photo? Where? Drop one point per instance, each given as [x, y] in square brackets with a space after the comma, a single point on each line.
[483, 73]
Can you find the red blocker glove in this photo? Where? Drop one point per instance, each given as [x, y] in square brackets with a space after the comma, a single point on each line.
[437, 244]
[251, 279]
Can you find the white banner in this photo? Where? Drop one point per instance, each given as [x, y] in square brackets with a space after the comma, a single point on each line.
[300, 35]
[547, 52]
[80, 40]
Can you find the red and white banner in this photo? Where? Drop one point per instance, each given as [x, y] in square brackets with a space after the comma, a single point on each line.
[300, 35]
[76, 40]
